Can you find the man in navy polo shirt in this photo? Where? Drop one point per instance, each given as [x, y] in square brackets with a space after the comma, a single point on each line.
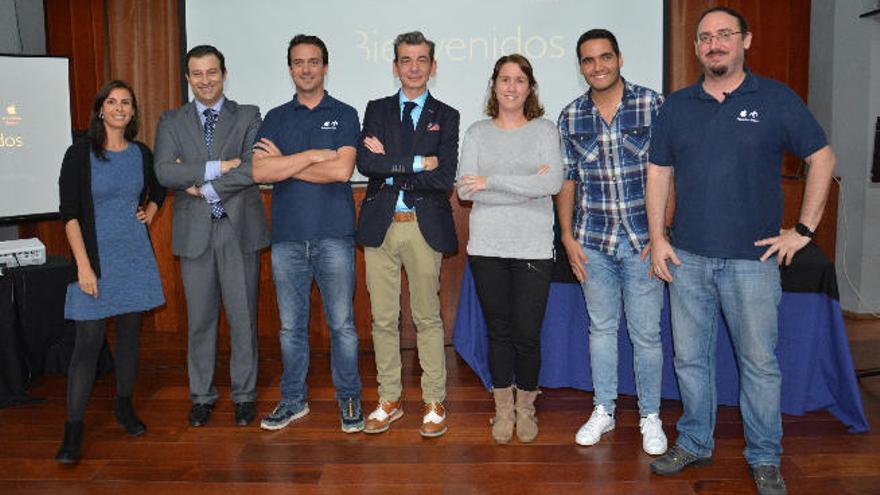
[307, 148]
[722, 140]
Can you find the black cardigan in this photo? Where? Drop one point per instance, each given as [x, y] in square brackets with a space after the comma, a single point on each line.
[75, 188]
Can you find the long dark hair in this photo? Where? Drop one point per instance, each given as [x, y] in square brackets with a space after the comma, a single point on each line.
[97, 133]
[532, 108]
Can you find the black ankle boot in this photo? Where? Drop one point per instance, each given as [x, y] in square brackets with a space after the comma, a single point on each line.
[70, 447]
[126, 417]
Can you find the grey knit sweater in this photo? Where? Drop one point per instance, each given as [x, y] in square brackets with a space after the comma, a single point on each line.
[513, 216]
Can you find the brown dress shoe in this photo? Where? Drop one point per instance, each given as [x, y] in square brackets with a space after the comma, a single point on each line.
[381, 418]
[433, 420]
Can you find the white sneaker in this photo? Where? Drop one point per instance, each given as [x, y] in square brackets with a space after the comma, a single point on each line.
[653, 438]
[600, 422]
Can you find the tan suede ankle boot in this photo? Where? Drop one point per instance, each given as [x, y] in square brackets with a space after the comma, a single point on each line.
[526, 420]
[502, 423]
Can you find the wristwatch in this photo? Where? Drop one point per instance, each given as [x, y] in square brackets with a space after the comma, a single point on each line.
[803, 230]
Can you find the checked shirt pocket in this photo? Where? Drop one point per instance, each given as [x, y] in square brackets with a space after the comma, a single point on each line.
[587, 146]
[636, 141]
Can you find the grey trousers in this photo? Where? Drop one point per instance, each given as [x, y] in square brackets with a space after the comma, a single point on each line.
[223, 270]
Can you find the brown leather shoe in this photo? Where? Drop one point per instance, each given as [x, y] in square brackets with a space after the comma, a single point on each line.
[433, 420]
[381, 418]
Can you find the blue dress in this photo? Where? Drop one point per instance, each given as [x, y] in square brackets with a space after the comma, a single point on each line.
[129, 279]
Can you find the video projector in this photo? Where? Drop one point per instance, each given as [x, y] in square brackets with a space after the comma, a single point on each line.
[22, 252]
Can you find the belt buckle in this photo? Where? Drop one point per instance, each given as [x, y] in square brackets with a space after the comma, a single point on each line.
[404, 216]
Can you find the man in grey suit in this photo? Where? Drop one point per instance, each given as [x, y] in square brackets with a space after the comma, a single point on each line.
[203, 152]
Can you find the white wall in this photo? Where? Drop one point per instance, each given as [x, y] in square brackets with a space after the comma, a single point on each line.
[844, 93]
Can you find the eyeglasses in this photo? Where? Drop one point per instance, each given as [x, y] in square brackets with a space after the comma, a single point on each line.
[722, 37]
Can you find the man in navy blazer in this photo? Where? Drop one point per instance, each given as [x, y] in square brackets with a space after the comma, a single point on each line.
[409, 151]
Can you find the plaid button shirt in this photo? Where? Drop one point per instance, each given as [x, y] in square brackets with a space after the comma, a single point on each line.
[608, 162]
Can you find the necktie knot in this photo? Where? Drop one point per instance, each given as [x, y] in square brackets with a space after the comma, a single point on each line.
[408, 107]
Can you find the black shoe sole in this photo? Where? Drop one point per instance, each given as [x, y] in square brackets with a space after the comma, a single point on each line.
[244, 421]
[199, 422]
[202, 420]
[66, 459]
[135, 432]
[696, 463]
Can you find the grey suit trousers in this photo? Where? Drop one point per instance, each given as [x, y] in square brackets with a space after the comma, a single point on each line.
[222, 270]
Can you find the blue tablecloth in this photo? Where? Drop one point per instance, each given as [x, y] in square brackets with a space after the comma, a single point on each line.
[813, 352]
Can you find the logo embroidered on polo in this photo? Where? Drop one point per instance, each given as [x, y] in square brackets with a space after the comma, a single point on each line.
[748, 116]
[330, 126]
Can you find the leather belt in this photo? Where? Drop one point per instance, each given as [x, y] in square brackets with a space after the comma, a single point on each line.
[404, 216]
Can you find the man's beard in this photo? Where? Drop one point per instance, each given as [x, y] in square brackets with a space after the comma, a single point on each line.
[718, 71]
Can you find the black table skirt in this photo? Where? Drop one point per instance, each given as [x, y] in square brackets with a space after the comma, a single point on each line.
[814, 273]
[35, 339]
[14, 372]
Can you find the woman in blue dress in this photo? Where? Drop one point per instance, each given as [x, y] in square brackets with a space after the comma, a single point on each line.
[109, 195]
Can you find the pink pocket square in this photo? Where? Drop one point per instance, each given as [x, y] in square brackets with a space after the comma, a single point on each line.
[433, 127]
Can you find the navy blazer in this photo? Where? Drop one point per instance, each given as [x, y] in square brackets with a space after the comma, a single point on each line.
[427, 191]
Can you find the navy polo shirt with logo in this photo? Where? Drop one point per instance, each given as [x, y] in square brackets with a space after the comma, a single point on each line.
[303, 211]
[727, 161]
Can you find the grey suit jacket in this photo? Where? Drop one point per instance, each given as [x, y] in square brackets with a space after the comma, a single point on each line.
[180, 163]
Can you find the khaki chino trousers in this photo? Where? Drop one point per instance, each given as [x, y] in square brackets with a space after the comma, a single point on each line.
[404, 246]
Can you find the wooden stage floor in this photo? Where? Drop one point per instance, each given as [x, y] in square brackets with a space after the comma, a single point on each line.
[314, 456]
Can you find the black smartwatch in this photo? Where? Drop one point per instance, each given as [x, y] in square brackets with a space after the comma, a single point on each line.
[803, 230]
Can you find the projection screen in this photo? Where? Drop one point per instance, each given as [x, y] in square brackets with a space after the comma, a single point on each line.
[470, 36]
[34, 133]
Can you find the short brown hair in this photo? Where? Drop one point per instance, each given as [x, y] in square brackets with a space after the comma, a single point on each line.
[532, 108]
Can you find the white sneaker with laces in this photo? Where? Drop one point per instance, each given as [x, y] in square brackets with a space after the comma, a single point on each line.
[653, 438]
[600, 422]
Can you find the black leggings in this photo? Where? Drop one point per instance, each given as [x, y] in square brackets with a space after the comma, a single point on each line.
[89, 341]
[513, 295]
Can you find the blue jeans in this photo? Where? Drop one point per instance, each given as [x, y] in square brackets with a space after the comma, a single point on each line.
[330, 262]
[748, 294]
[612, 280]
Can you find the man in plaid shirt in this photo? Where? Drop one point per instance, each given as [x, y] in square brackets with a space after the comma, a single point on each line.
[605, 134]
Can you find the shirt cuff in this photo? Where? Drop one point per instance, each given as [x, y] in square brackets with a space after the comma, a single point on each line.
[209, 193]
[417, 164]
[212, 170]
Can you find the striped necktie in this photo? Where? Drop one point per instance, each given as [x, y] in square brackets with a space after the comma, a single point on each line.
[217, 210]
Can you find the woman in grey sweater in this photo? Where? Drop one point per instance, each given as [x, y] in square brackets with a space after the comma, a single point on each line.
[510, 167]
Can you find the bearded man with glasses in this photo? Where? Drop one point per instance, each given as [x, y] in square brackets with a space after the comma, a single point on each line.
[724, 137]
